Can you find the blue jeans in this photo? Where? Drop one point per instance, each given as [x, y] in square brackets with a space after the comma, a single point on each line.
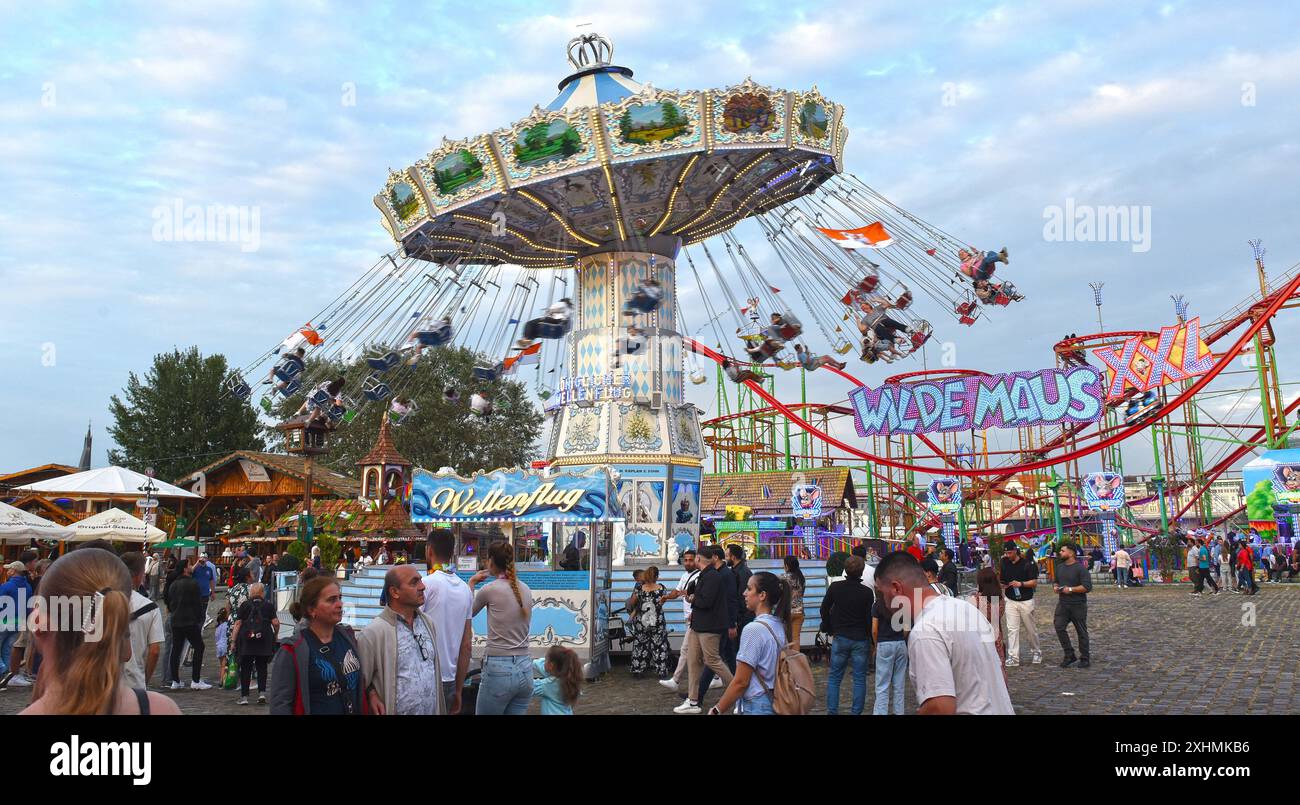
[760, 705]
[891, 673]
[506, 686]
[6, 648]
[842, 651]
[1121, 576]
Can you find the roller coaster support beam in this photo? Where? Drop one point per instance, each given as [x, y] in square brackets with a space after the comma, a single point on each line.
[1055, 486]
[871, 502]
[1160, 484]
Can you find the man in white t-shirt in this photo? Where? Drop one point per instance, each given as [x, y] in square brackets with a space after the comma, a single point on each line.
[449, 603]
[689, 574]
[951, 654]
[146, 628]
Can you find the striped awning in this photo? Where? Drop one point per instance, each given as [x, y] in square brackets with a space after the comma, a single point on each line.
[593, 87]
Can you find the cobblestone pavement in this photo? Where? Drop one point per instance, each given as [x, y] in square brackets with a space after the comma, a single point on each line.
[1154, 650]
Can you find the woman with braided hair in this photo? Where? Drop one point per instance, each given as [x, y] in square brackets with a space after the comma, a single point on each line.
[507, 682]
[81, 661]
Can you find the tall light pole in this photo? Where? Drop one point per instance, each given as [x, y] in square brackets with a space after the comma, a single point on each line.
[1096, 298]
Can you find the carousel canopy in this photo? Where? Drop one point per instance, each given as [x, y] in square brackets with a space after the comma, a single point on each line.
[18, 527]
[108, 481]
[116, 524]
[610, 161]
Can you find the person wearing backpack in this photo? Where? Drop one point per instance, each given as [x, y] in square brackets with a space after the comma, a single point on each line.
[146, 628]
[772, 677]
[256, 627]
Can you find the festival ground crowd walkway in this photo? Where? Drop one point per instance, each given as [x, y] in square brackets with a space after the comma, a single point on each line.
[1155, 650]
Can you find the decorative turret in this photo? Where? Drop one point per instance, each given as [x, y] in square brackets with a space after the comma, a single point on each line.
[384, 471]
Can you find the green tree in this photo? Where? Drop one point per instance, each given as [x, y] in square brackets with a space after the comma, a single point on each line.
[570, 143]
[330, 551]
[440, 433]
[176, 419]
[672, 117]
[625, 123]
[298, 550]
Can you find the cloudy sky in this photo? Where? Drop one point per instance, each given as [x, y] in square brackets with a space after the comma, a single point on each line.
[978, 116]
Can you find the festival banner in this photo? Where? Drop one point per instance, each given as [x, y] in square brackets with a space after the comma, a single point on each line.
[1014, 400]
[513, 495]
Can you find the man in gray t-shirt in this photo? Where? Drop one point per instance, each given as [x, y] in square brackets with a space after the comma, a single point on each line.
[1072, 587]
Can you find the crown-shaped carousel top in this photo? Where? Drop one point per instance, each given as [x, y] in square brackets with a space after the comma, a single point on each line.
[590, 50]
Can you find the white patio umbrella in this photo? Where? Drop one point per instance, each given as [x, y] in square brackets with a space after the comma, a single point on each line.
[109, 481]
[116, 524]
[18, 527]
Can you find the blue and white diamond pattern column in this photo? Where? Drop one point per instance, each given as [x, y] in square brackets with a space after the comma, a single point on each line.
[621, 406]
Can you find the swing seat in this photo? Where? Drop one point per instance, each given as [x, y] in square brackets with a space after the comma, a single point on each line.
[920, 337]
[642, 303]
[289, 367]
[291, 388]
[698, 378]
[790, 329]
[384, 362]
[787, 365]
[488, 373]
[868, 283]
[320, 398]
[375, 389]
[904, 300]
[844, 349]
[546, 328]
[396, 414]
[339, 413]
[544, 394]
[437, 337]
[237, 388]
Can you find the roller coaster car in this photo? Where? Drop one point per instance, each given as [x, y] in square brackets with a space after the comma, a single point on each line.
[374, 389]
[236, 387]
[384, 362]
[546, 328]
[289, 367]
[1140, 407]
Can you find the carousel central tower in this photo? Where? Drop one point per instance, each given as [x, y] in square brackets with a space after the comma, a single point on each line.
[608, 183]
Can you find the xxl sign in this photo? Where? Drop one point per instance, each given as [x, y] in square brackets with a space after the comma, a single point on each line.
[1147, 363]
[1011, 400]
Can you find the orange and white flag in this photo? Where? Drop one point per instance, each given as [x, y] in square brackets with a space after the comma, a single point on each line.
[871, 236]
[526, 357]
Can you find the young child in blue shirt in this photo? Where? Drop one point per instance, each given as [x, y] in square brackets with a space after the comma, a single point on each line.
[560, 681]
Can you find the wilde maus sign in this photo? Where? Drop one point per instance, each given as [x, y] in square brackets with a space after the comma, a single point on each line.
[1012, 400]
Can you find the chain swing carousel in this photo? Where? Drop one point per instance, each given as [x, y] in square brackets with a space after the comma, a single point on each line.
[555, 245]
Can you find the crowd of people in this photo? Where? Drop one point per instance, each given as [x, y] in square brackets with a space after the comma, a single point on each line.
[903, 615]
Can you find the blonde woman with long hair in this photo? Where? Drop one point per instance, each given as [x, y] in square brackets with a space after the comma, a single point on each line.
[81, 663]
[507, 682]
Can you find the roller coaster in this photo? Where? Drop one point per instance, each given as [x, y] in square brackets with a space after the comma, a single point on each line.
[1182, 432]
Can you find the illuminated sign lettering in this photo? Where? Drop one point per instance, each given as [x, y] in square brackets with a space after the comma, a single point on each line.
[1147, 363]
[513, 495]
[1014, 400]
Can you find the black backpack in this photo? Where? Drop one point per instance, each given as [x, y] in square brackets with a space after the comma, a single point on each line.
[254, 629]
